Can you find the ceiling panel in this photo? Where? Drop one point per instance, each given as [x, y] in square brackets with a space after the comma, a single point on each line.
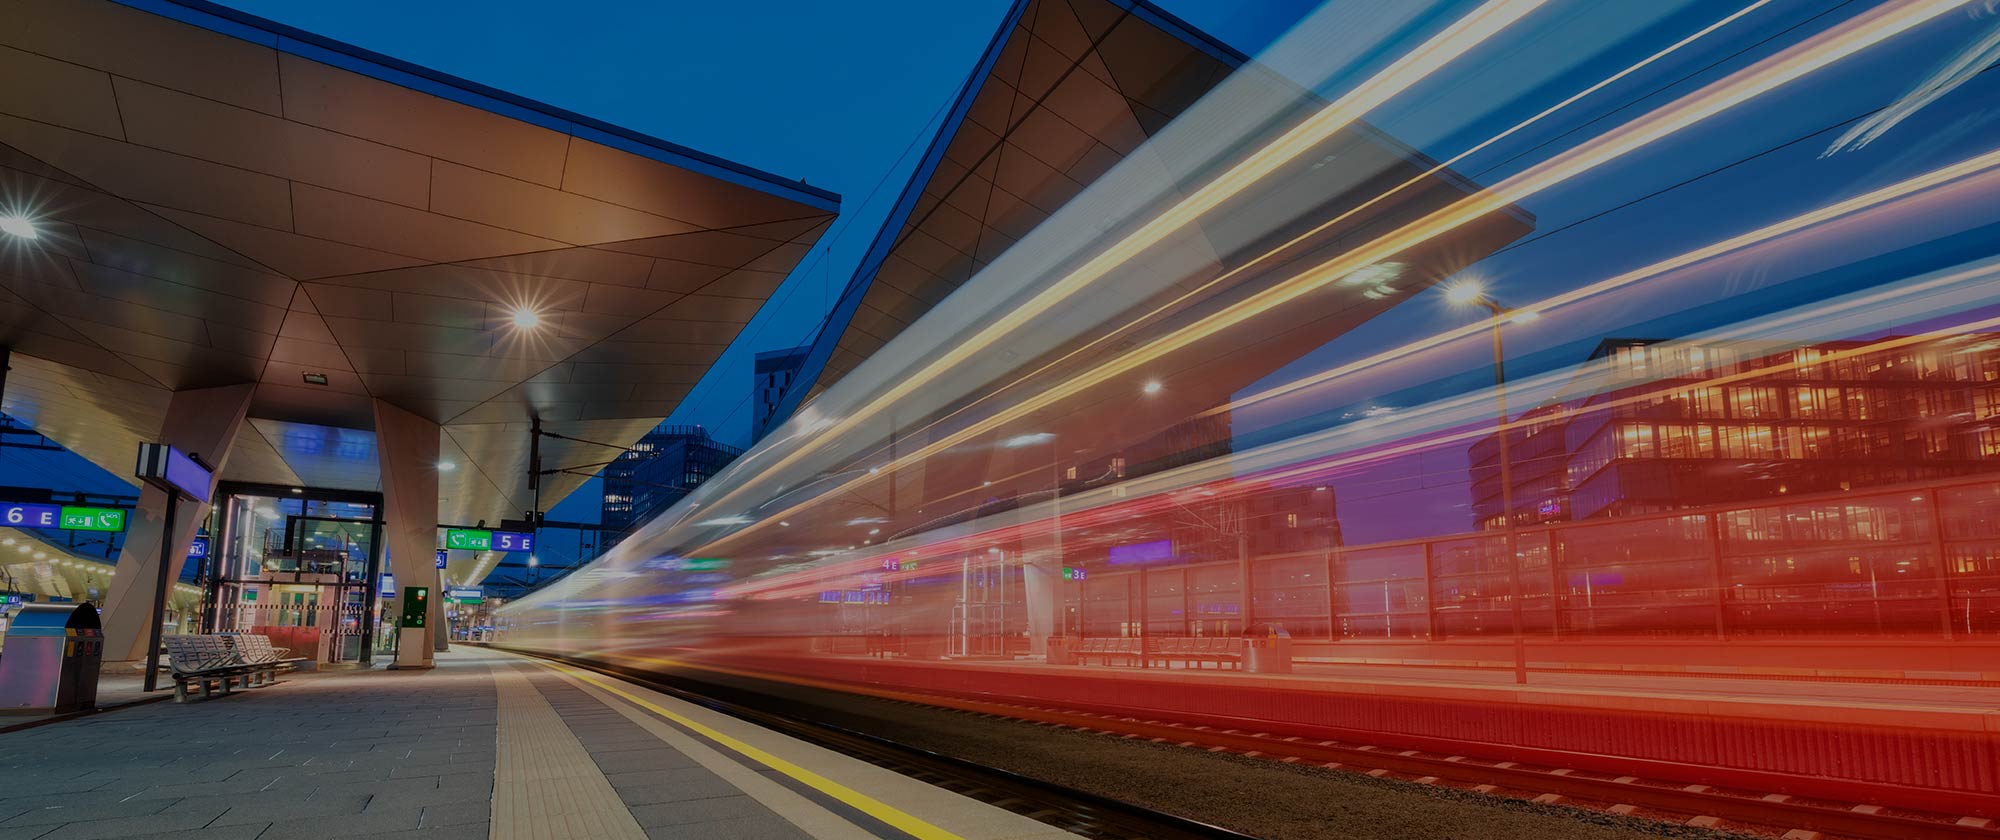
[221, 211]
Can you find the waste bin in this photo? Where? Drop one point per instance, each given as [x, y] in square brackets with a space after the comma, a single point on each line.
[1062, 650]
[51, 659]
[1270, 654]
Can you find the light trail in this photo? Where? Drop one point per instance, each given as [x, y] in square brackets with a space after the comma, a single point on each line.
[1447, 46]
[1289, 465]
[1838, 43]
[1260, 259]
[1893, 192]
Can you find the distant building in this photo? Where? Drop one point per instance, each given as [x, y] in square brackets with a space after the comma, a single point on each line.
[1687, 425]
[775, 372]
[662, 467]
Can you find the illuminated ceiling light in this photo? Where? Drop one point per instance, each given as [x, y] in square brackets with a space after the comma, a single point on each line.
[7, 541]
[1464, 293]
[784, 524]
[527, 319]
[18, 225]
[446, 466]
[534, 561]
[313, 378]
[1152, 386]
[874, 531]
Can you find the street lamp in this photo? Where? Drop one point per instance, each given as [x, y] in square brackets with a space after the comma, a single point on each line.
[1473, 293]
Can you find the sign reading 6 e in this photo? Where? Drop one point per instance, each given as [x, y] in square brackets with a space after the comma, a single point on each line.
[30, 516]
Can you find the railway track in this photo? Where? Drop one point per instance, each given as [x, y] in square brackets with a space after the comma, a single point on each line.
[1771, 814]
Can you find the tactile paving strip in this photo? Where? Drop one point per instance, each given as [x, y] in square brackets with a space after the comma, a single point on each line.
[546, 786]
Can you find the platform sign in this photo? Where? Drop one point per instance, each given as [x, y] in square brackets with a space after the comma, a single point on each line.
[443, 556]
[387, 589]
[468, 539]
[92, 519]
[17, 515]
[1072, 573]
[513, 541]
[466, 594]
[198, 549]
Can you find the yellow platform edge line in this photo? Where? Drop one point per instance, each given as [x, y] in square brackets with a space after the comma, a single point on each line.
[856, 799]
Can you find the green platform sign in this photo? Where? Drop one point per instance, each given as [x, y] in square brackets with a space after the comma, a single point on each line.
[704, 564]
[92, 519]
[468, 539]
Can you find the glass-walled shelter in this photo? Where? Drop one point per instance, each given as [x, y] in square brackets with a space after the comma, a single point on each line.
[300, 565]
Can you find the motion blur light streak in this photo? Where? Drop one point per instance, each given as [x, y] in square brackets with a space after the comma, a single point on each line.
[1837, 44]
[1876, 199]
[1447, 46]
[1215, 460]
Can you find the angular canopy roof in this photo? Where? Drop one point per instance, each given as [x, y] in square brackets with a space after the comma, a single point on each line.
[223, 200]
[1067, 89]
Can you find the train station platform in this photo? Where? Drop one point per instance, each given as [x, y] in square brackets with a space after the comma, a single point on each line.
[488, 744]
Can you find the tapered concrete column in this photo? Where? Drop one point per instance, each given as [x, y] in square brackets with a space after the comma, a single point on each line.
[407, 447]
[200, 422]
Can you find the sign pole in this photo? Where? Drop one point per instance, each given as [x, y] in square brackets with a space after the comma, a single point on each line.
[160, 595]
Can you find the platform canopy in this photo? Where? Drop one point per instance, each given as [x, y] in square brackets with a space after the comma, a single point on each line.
[1066, 90]
[218, 200]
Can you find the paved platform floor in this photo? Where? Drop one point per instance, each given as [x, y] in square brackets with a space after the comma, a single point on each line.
[486, 745]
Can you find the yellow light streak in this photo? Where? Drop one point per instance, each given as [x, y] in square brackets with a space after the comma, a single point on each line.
[1443, 48]
[1820, 51]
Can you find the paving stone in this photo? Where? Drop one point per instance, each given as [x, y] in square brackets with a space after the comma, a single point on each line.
[653, 793]
[230, 832]
[127, 826]
[768, 827]
[59, 814]
[469, 831]
[457, 813]
[699, 811]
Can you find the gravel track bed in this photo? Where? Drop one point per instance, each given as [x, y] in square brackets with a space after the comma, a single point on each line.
[1254, 796]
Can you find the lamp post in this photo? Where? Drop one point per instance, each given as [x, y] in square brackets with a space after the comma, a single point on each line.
[1472, 293]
